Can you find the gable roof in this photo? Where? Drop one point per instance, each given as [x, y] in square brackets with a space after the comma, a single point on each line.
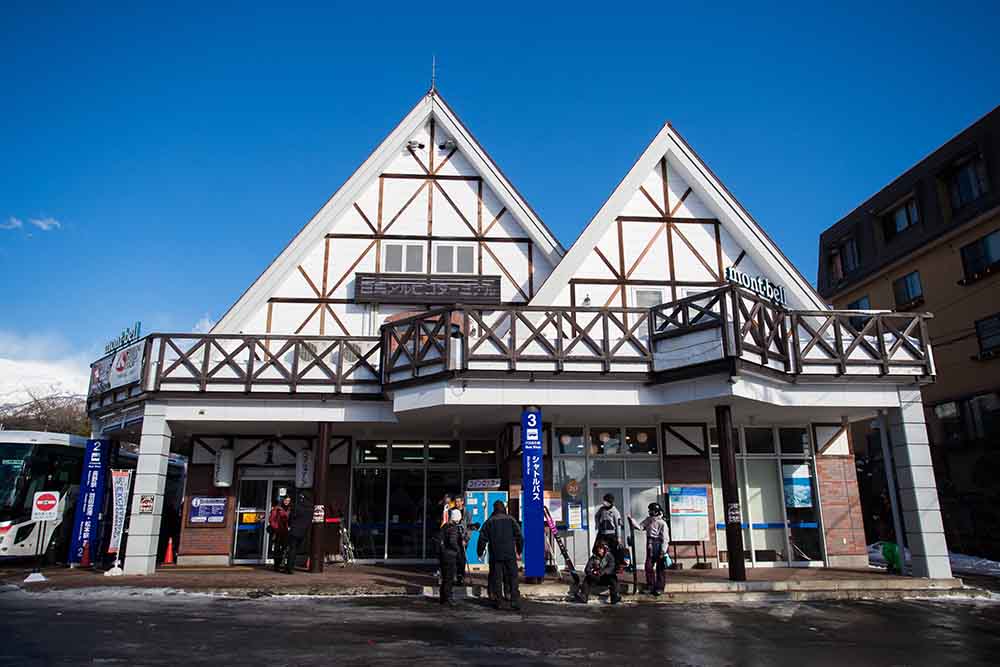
[706, 185]
[431, 105]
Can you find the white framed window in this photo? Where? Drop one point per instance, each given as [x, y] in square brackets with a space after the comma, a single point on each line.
[403, 257]
[647, 297]
[454, 258]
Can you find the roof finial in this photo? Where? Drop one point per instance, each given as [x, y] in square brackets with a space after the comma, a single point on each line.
[433, 73]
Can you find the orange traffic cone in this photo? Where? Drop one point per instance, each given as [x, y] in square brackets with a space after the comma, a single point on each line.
[85, 559]
[168, 558]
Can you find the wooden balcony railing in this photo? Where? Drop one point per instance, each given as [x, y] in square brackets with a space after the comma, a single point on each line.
[724, 323]
[274, 364]
[523, 338]
[672, 339]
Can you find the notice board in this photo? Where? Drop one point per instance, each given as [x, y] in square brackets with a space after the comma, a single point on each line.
[688, 513]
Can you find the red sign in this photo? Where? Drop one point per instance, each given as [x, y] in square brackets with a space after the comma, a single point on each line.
[46, 502]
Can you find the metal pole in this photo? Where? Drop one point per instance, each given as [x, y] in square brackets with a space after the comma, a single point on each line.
[890, 477]
[321, 459]
[730, 493]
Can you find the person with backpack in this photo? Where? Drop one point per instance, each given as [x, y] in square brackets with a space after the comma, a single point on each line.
[656, 548]
[601, 570]
[298, 528]
[501, 534]
[451, 545]
[463, 526]
[609, 524]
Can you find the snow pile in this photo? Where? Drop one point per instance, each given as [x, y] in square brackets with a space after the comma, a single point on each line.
[960, 563]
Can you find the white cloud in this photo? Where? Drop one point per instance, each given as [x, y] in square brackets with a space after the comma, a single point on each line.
[40, 364]
[12, 223]
[204, 325]
[46, 224]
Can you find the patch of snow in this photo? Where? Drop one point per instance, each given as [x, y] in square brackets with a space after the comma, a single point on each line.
[960, 563]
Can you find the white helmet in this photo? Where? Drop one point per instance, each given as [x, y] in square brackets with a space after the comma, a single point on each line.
[455, 516]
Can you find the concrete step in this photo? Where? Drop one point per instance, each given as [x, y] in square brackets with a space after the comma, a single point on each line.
[754, 591]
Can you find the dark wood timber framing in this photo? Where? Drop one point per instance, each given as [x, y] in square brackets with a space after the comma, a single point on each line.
[321, 469]
[671, 229]
[731, 512]
[430, 180]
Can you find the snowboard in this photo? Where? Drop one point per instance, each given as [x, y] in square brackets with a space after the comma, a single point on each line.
[550, 522]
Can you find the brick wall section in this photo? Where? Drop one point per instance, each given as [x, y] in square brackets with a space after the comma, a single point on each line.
[206, 541]
[692, 470]
[842, 516]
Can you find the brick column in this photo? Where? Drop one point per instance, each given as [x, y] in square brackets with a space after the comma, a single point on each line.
[911, 455]
[150, 480]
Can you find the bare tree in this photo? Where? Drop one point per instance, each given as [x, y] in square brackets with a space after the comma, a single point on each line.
[57, 412]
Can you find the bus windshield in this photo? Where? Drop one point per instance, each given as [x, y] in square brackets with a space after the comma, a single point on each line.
[15, 463]
[28, 468]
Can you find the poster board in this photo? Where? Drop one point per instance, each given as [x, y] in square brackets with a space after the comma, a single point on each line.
[688, 513]
[478, 507]
[207, 511]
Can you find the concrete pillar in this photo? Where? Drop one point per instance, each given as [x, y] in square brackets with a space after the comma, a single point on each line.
[150, 480]
[918, 498]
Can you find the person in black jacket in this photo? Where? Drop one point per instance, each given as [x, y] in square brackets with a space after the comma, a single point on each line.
[502, 535]
[451, 545]
[298, 529]
[600, 571]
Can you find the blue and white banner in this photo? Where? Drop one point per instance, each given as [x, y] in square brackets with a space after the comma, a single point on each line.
[533, 493]
[121, 484]
[90, 502]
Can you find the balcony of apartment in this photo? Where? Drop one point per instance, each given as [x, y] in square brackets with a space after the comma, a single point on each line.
[726, 330]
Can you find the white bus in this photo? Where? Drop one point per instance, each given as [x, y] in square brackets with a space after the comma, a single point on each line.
[32, 461]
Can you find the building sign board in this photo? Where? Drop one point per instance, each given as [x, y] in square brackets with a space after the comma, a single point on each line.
[127, 336]
[757, 285]
[533, 493]
[146, 504]
[86, 521]
[207, 511]
[119, 369]
[482, 484]
[418, 289]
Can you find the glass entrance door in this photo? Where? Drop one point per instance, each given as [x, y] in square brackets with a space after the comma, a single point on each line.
[631, 498]
[253, 507]
[251, 520]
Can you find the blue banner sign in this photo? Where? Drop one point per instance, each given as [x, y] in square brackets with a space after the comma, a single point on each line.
[533, 493]
[90, 502]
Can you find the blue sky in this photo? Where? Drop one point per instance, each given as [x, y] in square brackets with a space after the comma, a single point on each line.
[155, 161]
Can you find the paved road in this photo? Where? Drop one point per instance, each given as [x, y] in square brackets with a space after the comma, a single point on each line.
[144, 628]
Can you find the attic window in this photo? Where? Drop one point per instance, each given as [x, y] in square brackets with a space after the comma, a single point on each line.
[451, 258]
[404, 258]
[648, 297]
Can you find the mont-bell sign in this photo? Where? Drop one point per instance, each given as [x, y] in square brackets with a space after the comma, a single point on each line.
[757, 284]
[128, 336]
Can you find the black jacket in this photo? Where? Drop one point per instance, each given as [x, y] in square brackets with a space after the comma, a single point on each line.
[301, 519]
[451, 540]
[601, 567]
[503, 537]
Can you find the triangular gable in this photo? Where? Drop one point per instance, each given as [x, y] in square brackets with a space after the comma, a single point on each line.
[670, 225]
[470, 192]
